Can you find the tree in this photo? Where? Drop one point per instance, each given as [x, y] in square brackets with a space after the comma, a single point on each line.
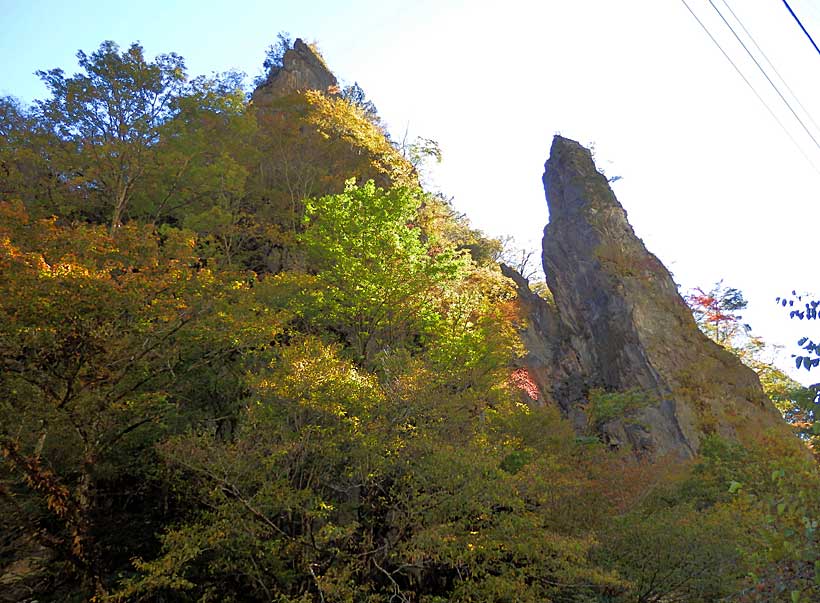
[525, 261]
[803, 412]
[202, 163]
[347, 126]
[355, 95]
[274, 56]
[29, 155]
[99, 336]
[110, 114]
[675, 554]
[377, 280]
[717, 315]
[343, 484]
[309, 144]
[21, 168]
[440, 222]
[716, 311]
[419, 151]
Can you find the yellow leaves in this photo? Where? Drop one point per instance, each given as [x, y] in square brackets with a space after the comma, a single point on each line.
[57, 501]
[325, 506]
[336, 118]
[7, 248]
[77, 545]
[66, 269]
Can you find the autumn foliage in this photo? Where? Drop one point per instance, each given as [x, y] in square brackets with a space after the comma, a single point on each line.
[254, 361]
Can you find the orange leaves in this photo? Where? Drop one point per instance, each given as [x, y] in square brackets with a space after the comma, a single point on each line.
[83, 312]
[39, 478]
[716, 311]
[710, 307]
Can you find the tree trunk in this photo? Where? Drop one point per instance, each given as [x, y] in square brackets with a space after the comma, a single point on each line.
[84, 545]
[119, 209]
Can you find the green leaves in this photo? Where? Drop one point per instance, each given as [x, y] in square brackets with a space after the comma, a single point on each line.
[377, 282]
[606, 406]
[111, 114]
[337, 477]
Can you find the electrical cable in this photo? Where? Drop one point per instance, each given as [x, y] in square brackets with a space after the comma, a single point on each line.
[808, 35]
[752, 88]
[766, 75]
[777, 73]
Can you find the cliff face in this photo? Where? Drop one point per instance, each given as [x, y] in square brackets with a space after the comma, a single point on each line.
[618, 350]
[302, 69]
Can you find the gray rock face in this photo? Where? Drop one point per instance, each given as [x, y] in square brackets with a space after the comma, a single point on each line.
[302, 69]
[618, 350]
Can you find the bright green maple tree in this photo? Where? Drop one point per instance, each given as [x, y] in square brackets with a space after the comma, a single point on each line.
[378, 281]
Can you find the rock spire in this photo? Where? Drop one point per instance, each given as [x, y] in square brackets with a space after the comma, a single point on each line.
[302, 69]
[617, 348]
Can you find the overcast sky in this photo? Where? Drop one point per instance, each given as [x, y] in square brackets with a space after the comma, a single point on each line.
[710, 181]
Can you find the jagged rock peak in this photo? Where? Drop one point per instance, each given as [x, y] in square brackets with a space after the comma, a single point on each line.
[302, 69]
[619, 351]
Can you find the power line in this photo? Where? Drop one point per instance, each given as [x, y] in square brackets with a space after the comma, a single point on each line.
[766, 58]
[752, 88]
[808, 35]
[766, 75]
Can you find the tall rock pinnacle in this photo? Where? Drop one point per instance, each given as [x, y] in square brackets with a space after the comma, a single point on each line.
[618, 335]
[302, 69]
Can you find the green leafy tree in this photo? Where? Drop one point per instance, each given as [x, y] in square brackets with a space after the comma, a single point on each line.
[377, 282]
[201, 158]
[25, 158]
[110, 116]
[274, 55]
[199, 177]
[345, 486]
[675, 553]
[355, 95]
[770, 491]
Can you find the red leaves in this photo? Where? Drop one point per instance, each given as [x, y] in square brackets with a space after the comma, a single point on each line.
[716, 311]
[709, 307]
[522, 380]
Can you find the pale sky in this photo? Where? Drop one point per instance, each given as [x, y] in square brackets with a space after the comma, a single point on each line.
[711, 183]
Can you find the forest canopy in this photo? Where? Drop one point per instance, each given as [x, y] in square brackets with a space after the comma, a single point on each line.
[244, 356]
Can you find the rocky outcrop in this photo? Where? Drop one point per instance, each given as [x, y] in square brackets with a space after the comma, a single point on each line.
[302, 69]
[617, 348]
